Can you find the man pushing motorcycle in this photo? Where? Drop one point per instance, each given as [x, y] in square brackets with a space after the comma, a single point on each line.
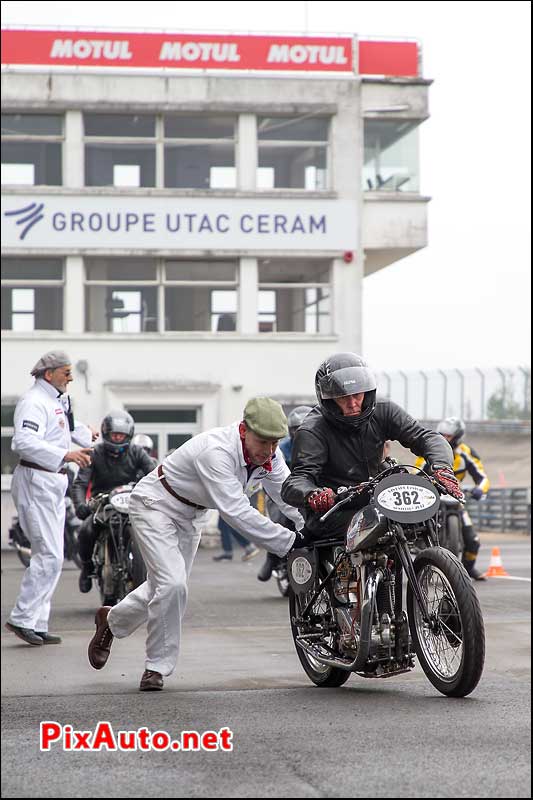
[218, 469]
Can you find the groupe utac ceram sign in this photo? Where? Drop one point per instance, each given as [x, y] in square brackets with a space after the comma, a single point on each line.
[56, 222]
[212, 52]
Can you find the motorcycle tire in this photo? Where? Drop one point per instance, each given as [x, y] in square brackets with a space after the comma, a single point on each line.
[74, 549]
[453, 535]
[137, 569]
[24, 556]
[320, 674]
[451, 649]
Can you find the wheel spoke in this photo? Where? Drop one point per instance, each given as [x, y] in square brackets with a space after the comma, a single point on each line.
[442, 638]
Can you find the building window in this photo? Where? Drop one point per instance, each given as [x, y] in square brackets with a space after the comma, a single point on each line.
[120, 150]
[294, 296]
[168, 428]
[31, 149]
[32, 294]
[9, 458]
[126, 295]
[200, 296]
[391, 155]
[200, 152]
[293, 153]
[121, 295]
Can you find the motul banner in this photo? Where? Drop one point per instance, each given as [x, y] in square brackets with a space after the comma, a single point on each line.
[195, 51]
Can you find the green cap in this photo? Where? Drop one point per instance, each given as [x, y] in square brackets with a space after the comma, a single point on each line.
[265, 417]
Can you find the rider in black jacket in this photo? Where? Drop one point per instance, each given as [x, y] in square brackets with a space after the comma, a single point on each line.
[340, 443]
[115, 461]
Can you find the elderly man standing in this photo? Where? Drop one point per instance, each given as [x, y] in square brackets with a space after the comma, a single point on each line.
[221, 468]
[44, 431]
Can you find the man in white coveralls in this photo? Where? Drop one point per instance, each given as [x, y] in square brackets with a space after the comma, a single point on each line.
[221, 468]
[44, 431]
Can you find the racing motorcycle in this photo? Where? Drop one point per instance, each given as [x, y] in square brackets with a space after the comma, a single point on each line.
[21, 543]
[346, 599]
[119, 567]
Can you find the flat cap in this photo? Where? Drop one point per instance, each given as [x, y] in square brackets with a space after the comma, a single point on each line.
[51, 360]
[265, 417]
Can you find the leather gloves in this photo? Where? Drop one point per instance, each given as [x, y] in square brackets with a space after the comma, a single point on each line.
[321, 500]
[446, 478]
[83, 511]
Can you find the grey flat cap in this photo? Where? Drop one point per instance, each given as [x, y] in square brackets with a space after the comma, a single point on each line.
[51, 360]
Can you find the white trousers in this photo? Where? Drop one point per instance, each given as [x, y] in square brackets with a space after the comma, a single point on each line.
[40, 502]
[168, 533]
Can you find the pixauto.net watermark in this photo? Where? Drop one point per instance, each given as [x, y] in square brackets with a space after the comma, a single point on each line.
[103, 737]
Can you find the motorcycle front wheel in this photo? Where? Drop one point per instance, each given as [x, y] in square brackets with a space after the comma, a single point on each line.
[453, 534]
[320, 674]
[451, 645]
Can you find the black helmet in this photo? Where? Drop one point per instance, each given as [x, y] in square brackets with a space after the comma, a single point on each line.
[144, 441]
[296, 417]
[453, 427]
[117, 422]
[340, 375]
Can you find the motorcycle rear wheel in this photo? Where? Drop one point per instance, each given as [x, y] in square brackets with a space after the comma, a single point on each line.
[451, 648]
[320, 674]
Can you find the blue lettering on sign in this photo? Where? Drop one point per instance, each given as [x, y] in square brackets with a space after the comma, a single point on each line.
[173, 226]
[280, 223]
[95, 222]
[205, 225]
[298, 225]
[319, 225]
[189, 223]
[221, 217]
[244, 219]
[262, 223]
[58, 221]
[148, 220]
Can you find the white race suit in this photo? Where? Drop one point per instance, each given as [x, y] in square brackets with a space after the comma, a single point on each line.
[209, 471]
[42, 437]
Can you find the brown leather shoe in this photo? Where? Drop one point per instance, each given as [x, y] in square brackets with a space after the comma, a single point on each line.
[151, 681]
[100, 644]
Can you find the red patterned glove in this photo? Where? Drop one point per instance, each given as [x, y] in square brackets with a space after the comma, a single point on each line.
[321, 500]
[446, 478]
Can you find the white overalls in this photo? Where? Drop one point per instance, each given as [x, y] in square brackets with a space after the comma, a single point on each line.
[42, 437]
[210, 471]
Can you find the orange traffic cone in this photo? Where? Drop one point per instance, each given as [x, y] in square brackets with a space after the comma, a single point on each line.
[495, 569]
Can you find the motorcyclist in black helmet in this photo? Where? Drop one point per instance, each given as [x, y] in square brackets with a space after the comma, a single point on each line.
[114, 461]
[340, 443]
[294, 420]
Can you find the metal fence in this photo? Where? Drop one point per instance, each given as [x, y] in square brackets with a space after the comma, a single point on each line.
[466, 393]
[506, 509]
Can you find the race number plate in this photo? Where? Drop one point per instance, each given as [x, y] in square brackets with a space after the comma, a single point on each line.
[301, 569]
[120, 501]
[406, 498]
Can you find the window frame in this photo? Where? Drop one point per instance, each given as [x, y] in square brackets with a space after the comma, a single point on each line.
[277, 285]
[36, 284]
[21, 138]
[273, 144]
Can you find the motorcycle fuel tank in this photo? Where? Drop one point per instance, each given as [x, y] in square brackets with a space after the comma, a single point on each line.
[365, 529]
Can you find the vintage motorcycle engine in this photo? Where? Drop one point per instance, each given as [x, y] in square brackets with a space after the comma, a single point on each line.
[346, 591]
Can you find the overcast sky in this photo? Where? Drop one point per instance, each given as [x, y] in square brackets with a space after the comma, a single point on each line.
[465, 299]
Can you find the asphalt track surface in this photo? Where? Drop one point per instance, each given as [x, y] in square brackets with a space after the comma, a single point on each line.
[238, 669]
